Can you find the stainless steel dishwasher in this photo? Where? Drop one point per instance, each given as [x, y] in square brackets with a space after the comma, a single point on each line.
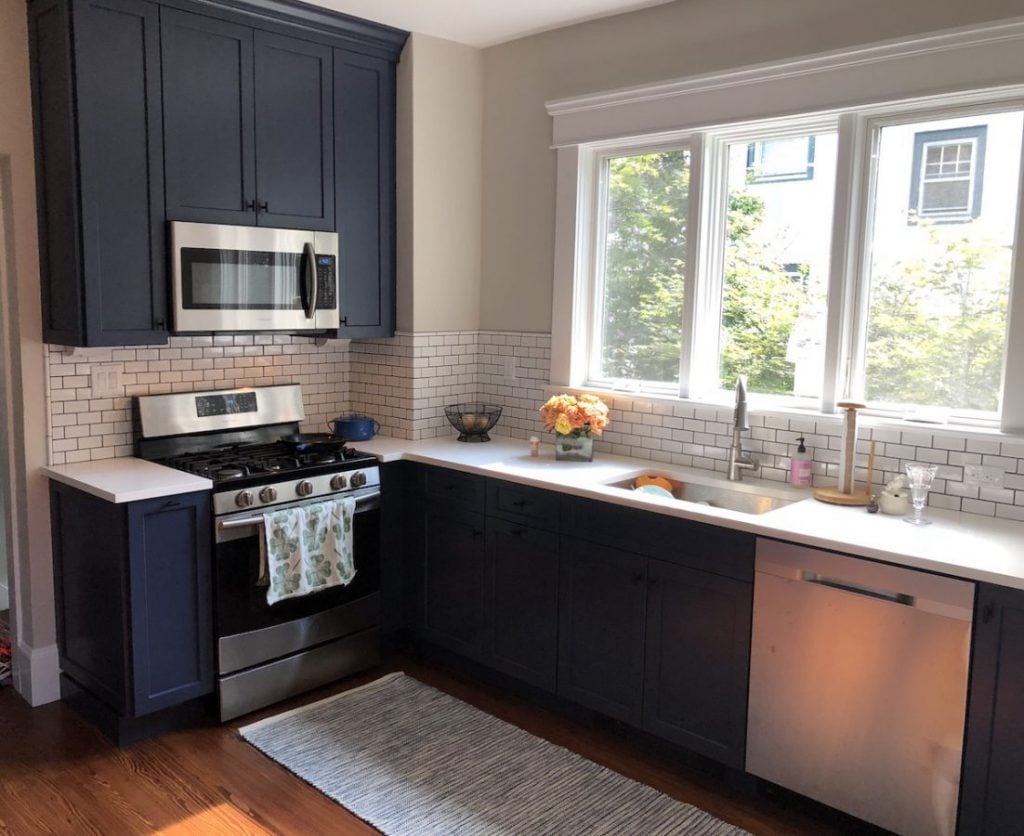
[858, 685]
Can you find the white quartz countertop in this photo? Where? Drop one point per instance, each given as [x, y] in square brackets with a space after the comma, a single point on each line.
[126, 479]
[962, 545]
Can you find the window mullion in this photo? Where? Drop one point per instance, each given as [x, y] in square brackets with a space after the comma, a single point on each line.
[1012, 411]
[845, 273]
[693, 267]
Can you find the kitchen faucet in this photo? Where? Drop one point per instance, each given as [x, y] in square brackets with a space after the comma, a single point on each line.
[738, 460]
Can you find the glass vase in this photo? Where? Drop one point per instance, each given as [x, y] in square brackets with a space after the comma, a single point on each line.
[574, 448]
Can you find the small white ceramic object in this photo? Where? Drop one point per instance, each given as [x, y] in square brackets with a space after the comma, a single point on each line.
[895, 497]
[655, 490]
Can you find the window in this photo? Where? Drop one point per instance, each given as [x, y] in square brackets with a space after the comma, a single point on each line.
[937, 294]
[749, 270]
[774, 278]
[948, 171]
[779, 160]
[640, 296]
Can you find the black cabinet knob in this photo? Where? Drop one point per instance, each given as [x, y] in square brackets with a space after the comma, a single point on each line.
[638, 577]
[262, 207]
[249, 205]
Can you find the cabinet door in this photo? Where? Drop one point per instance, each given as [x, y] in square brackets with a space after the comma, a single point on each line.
[601, 629]
[208, 119]
[171, 600]
[522, 602]
[294, 133]
[453, 578]
[117, 45]
[991, 801]
[698, 650]
[364, 130]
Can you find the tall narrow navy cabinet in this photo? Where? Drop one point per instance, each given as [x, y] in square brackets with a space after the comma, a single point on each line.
[99, 169]
[133, 587]
[991, 801]
[364, 132]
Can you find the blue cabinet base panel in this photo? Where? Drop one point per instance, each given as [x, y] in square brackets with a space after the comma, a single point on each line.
[127, 730]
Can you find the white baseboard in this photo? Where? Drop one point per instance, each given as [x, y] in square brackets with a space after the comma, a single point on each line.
[37, 673]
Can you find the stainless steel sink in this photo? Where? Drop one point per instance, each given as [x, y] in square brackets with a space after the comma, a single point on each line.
[746, 501]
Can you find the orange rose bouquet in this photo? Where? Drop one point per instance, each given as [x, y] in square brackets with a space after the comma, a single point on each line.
[576, 416]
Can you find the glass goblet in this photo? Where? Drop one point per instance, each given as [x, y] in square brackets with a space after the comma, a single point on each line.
[920, 477]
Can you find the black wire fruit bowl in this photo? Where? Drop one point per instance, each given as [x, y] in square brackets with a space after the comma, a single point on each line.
[473, 420]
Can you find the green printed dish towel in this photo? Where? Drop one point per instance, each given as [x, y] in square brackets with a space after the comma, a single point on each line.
[308, 548]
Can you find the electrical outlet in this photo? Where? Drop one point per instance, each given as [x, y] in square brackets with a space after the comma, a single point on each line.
[976, 475]
[105, 381]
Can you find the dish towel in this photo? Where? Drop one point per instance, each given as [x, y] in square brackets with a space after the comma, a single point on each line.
[308, 548]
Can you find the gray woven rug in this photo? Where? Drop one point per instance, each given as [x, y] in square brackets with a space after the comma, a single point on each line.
[409, 759]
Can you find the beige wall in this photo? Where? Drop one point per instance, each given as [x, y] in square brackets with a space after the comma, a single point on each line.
[33, 574]
[440, 119]
[677, 40]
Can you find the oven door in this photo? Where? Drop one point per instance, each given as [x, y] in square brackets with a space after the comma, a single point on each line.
[241, 278]
[250, 631]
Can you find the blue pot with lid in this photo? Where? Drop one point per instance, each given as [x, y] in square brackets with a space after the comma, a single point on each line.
[353, 427]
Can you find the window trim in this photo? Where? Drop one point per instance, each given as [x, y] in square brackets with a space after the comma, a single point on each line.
[979, 64]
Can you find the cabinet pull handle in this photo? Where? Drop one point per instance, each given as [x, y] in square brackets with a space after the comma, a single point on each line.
[477, 532]
[638, 577]
[988, 613]
[249, 205]
[652, 581]
[518, 503]
[516, 532]
[171, 503]
[262, 207]
[158, 323]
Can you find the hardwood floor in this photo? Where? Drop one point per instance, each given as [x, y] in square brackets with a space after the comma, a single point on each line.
[59, 775]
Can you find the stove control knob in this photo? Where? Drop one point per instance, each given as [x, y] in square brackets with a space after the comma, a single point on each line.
[243, 499]
[268, 494]
[339, 482]
[304, 488]
[358, 479]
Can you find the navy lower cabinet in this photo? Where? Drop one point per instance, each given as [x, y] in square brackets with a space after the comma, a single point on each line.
[697, 660]
[603, 594]
[522, 601]
[452, 589]
[99, 171]
[133, 589]
[991, 800]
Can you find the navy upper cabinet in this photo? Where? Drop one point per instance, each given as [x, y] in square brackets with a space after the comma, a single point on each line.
[364, 130]
[99, 170]
[208, 107]
[253, 112]
[249, 130]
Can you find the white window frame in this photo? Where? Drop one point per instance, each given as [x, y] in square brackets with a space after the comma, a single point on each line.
[851, 85]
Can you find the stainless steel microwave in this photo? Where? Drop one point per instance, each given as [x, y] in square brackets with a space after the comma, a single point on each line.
[248, 278]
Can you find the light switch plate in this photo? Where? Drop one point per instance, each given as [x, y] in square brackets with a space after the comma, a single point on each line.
[105, 381]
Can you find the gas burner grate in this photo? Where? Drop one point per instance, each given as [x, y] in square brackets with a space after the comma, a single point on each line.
[237, 461]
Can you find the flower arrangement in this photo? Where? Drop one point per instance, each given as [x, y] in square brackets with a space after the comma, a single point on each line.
[575, 416]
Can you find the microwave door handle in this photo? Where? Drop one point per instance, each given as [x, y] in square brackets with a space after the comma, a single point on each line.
[309, 277]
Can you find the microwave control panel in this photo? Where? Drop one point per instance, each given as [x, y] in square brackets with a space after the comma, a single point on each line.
[326, 283]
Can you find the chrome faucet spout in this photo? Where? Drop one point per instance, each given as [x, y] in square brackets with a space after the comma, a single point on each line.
[738, 460]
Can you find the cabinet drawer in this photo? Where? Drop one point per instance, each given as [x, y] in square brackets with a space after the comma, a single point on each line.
[440, 483]
[523, 504]
[686, 543]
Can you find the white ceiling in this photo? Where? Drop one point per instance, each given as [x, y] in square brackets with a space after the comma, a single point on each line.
[483, 22]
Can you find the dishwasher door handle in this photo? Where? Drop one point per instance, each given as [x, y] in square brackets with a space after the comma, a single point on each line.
[858, 589]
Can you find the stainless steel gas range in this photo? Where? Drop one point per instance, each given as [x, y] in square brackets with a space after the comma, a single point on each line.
[235, 437]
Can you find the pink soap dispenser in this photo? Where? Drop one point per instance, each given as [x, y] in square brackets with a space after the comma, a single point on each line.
[800, 466]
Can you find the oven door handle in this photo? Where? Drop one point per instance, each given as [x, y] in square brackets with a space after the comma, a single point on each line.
[366, 502]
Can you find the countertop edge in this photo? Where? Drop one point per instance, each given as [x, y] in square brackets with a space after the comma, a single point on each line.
[104, 486]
